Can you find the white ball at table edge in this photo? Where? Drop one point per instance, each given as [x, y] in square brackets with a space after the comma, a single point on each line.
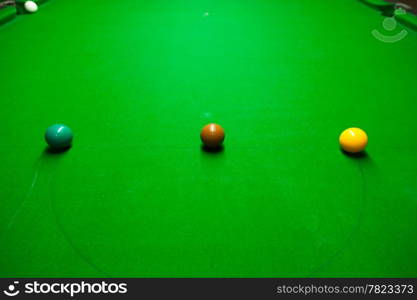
[31, 6]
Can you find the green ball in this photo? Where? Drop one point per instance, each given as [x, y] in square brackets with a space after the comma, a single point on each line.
[58, 136]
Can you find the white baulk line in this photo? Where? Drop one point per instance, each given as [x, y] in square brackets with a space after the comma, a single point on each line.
[31, 6]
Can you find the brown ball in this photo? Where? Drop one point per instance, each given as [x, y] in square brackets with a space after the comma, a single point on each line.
[212, 135]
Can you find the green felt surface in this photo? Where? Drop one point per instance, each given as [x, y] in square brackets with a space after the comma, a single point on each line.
[377, 3]
[6, 14]
[136, 195]
[409, 20]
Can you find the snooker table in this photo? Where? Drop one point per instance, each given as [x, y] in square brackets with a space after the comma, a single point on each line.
[137, 196]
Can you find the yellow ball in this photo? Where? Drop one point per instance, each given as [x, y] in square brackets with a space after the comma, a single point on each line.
[353, 140]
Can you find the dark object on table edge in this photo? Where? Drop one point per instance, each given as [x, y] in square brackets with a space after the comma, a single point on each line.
[7, 3]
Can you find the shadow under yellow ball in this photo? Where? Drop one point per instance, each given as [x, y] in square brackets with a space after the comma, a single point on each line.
[353, 140]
